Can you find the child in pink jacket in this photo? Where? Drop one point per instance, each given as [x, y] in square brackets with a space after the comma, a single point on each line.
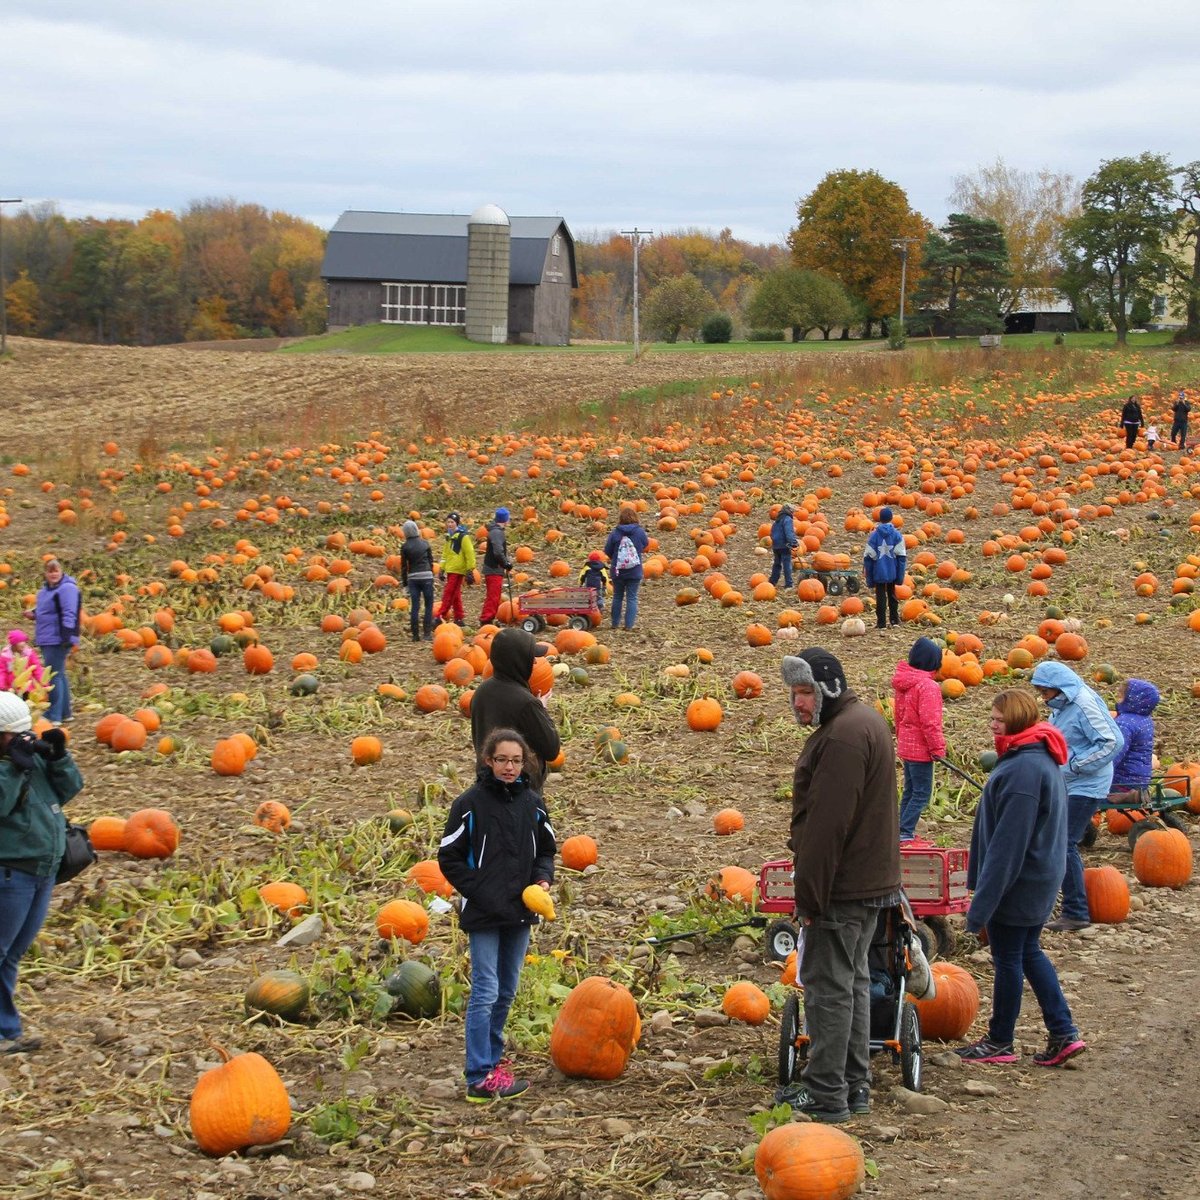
[917, 706]
[16, 657]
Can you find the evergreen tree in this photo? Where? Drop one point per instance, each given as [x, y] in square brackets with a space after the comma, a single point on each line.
[966, 272]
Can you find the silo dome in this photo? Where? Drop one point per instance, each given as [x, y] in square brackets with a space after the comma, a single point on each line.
[488, 214]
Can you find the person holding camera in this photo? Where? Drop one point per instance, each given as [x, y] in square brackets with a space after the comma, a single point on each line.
[37, 777]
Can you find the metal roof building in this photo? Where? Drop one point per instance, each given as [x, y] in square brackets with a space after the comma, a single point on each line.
[411, 268]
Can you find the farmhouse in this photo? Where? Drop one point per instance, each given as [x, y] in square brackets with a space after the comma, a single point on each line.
[503, 279]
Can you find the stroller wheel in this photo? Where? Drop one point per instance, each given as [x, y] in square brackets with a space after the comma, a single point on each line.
[910, 1048]
[791, 1026]
[780, 940]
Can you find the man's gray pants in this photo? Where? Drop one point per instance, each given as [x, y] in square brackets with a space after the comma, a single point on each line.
[837, 1001]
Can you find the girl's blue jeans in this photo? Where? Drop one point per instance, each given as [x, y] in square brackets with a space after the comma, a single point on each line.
[625, 594]
[496, 959]
[918, 787]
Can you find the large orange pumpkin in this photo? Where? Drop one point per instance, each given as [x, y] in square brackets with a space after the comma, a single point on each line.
[403, 919]
[1163, 858]
[1107, 895]
[949, 1014]
[704, 714]
[595, 1030]
[747, 685]
[241, 1103]
[107, 833]
[809, 1161]
[151, 833]
[733, 883]
[427, 875]
[273, 815]
[365, 750]
[727, 821]
[287, 898]
[744, 1001]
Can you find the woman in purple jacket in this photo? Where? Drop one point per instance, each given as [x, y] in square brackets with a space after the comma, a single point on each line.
[55, 615]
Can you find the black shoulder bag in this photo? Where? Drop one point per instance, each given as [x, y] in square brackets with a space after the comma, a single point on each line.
[78, 852]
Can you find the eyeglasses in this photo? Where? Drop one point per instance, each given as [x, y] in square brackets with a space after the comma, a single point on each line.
[507, 762]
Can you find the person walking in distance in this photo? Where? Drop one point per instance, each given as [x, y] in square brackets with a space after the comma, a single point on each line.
[1131, 421]
[624, 547]
[1179, 420]
[496, 565]
[885, 560]
[458, 561]
[416, 573]
[783, 542]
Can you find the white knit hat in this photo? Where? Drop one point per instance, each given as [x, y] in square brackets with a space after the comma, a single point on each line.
[14, 714]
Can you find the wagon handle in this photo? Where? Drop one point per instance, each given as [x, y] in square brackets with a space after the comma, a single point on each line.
[960, 773]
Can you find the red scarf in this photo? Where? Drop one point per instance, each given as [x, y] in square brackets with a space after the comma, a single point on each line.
[1044, 732]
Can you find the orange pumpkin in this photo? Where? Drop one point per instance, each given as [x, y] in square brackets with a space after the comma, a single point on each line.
[287, 898]
[949, 1014]
[228, 757]
[1071, 646]
[595, 1030]
[365, 750]
[241, 1103]
[746, 1002]
[728, 821]
[403, 919]
[107, 833]
[129, 735]
[747, 685]
[579, 852]
[733, 883]
[704, 714]
[427, 875]
[1163, 858]
[151, 833]
[258, 660]
[431, 697]
[272, 815]
[809, 1161]
[1107, 895]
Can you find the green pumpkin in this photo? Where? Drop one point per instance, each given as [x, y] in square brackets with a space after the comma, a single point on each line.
[987, 760]
[399, 819]
[222, 644]
[304, 685]
[579, 676]
[281, 993]
[416, 990]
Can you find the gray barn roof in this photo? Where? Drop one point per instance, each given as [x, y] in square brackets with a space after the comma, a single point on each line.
[431, 247]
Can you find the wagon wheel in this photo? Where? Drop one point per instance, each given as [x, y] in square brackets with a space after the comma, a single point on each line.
[579, 622]
[943, 935]
[1174, 820]
[835, 586]
[791, 1026]
[532, 624]
[910, 1048]
[852, 584]
[780, 940]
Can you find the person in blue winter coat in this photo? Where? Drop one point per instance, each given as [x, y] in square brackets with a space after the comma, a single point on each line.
[56, 615]
[624, 547]
[783, 542]
[1018, 847]
[1136, 702]
[885, 561]
[595, 576]
[1093, 742]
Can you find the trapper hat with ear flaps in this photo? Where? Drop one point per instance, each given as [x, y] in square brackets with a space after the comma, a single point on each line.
[14, 714]
[819, 670]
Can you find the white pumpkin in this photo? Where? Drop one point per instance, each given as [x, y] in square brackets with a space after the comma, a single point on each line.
[787, 633]
[1072, 625]
[853, 627]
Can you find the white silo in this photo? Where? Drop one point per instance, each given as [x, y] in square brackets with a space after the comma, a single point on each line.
[487, 274]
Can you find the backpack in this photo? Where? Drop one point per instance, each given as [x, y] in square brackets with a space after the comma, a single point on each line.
[627, 556]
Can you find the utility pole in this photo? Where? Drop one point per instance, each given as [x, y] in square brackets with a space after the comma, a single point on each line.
[902, 244]
[636, 235]
[3, 304]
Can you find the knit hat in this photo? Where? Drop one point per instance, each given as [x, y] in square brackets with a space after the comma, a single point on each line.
[819, 670]
[17, 636]
[502, 515]
[595, 556]
[453, 516]
[925, 655]
[410, 529]
[885, 516]
[786, 510]
[14, 714]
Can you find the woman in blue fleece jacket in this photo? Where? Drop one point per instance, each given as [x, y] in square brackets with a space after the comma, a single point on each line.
[1093, 742]
[1018, 847]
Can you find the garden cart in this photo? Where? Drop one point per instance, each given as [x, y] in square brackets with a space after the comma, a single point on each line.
[1151, 807]
[577, 604]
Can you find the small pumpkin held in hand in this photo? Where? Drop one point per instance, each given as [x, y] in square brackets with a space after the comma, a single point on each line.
[537, 900]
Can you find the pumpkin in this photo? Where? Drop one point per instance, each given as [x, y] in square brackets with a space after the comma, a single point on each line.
[399, 819]
[128, 735]
[416, 990]
[704, 714]
[809, 1161]
[1107, 895]
[258, 660]
[789, 974]
[853, 627]
[733, 883]
[949, 1014]
[365, 750]
[280, 993]
[1071, 646]
[579, 852]
[107, 833]
[427, 875]
[746, 1002]
[228, 757]
[759, 635]
[240, 1103]
[431, 697]
[403, 919]
[747, 685]
[1183, 778]
[287, 898]
[304, 685]
[272, 815]
[151, 833]
[1163, 858]
[728, 821]
[538, 900]
[595, 1030]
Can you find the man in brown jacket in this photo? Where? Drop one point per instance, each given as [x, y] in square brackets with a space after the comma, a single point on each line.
[845, 839]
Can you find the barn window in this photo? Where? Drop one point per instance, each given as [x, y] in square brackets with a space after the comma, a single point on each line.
[556, 245]
[424, 304]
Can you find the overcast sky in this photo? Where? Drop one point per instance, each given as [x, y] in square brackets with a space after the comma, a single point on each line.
[659, 113]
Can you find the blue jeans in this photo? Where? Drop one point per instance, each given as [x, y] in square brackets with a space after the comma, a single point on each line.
[918, 787]
[24, 902]
[1079, 817]
[783, 562]
[418, 590]
[625, 594]
[496, 959]
[55, 657]
[1017, 955]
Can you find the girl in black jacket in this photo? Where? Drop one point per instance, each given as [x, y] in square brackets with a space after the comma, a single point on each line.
[498, 840]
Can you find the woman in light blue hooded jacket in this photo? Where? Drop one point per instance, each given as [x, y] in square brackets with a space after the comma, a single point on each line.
[1093, 741]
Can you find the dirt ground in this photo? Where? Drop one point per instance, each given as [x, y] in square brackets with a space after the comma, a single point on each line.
[101, 1111]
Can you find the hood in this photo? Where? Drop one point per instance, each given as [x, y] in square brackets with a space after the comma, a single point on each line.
[627, 529]
[907, 676]
[1042, 732]
[411, 529]
[1141, 698]
[513, 652]
[1055, 675]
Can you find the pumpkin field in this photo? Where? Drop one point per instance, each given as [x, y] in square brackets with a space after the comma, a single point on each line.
[247, 686]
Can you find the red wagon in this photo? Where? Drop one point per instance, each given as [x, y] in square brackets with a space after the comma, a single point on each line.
[577, 604]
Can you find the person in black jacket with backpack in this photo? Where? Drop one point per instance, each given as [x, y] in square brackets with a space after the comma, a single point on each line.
[416, 573]
[497, 842]
[1131, 421]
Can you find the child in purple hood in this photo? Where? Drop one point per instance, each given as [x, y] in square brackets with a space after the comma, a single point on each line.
[1136, 701]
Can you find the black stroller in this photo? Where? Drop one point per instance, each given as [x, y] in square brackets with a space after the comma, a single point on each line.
[895, 1023]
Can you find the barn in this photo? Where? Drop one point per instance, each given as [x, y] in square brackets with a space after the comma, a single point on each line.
[446, 269]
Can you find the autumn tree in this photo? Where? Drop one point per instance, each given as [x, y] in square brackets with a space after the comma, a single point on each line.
[1116, 248]
[788, 298]
[1186, 264]
[847, 227]
[1030, 207]
[677, 305]
[21, 302]
[966, 273]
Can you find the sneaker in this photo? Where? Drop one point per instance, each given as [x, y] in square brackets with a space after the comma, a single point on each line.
[1068, 924]
[987, 1051]
[499, 1085]
[1059, 1049]
[20, 1045]
[803, 1101]
[859, 1100]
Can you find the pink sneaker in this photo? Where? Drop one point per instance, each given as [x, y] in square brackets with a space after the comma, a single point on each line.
[499, 1085]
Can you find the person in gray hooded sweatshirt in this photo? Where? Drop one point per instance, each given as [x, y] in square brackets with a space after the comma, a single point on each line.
[846, 843]
[416, 573]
